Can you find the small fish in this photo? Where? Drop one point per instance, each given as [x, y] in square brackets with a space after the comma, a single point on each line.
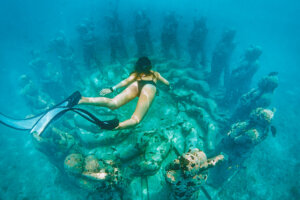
[273, 74]
[273, 131]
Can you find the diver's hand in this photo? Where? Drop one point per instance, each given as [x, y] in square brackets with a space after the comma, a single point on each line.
[105, 91]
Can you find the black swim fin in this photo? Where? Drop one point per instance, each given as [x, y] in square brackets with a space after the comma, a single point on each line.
[108, 125]
[73, 100]
[23, 124]
[41, 121]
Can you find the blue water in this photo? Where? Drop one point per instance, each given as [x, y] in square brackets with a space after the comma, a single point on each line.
[271, 171]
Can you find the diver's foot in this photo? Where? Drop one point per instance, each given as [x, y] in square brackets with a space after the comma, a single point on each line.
[110, 124]
[74, 99]
[82, 100]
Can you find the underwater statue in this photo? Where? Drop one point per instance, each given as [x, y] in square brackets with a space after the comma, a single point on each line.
[197, 42]
[118, 50]
[192, 95]
[61, 47]
[90, 172]
[33, 96]
[142, 34]
[63, 51]
[251, 124]
[46, 75]
[239, 143]
[220, 63]
[241, 78]
[257, 97]
[169, 40]
[188, 172]
[88, 40]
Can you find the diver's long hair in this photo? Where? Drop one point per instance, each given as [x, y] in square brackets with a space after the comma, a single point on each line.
[143, 66]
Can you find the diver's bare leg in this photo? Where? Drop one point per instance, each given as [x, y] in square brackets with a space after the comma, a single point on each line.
[146, 97]
[124, 97]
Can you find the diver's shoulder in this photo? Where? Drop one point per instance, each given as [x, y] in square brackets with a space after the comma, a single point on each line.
[133, 74]
[155, 72]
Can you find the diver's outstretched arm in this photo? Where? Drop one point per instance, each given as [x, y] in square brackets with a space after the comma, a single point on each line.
[162, 79]
[125, 82]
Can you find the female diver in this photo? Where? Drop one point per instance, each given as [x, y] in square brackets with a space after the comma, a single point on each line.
[142, 84]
